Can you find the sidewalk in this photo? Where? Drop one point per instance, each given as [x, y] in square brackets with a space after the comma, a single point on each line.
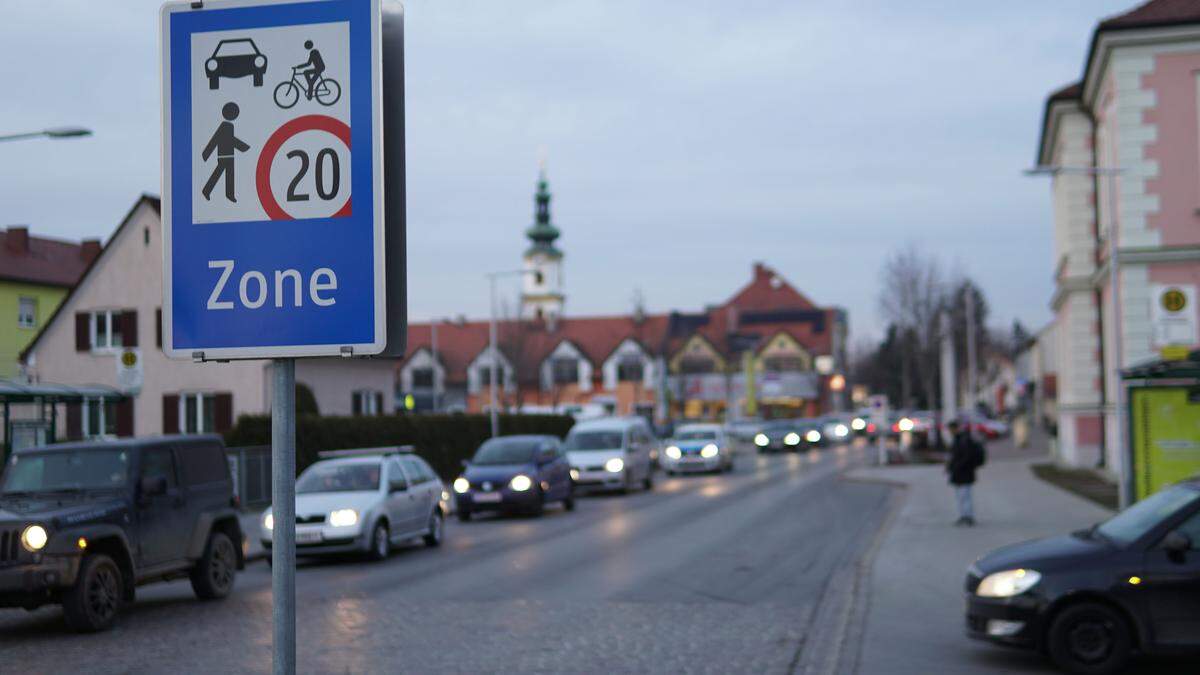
[914, 619]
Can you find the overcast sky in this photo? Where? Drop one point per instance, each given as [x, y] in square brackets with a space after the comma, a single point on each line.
[684, 140]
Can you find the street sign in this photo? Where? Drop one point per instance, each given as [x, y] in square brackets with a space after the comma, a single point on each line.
[1173, 315]
[273, 179]
[130, 373]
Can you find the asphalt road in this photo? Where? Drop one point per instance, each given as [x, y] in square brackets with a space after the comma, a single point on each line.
[702, 574]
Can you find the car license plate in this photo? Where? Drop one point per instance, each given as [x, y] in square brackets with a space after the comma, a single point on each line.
[308, 537]
[487, 497]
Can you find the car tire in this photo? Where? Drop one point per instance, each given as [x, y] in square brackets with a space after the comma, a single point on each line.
[214, 82]
[464, 515]
[436, 522]
[214, 574]
[95, 600]
[381, 544]
[1090, 638]
[258, 79]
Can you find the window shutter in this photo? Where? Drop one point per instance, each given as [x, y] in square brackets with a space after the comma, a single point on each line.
[83, 335]
[74, 421]
[125, 417]
[170, 413]
[222, 412]
[129, 328]
[158, 327]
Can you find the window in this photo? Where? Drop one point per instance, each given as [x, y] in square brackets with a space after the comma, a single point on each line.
[485, 375]
[99, 417]
[396, 477]
[197, 413]
[630, 369]
[694, 365]
[783, 364]
[106, 329]
[27, 312]
[1191, 528]
[367, 402]
[422, 378]
[158, 463]
[412, 467]
[202, 463]
[564, 370]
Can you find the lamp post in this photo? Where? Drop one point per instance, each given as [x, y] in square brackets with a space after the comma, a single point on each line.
[53, 132]
[492, 277]
[1114, 261]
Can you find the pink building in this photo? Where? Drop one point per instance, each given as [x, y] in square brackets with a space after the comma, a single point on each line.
[1123, 146]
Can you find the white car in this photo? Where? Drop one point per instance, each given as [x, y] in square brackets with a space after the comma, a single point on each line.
[698, 447]
[364, 501]
[614, 453]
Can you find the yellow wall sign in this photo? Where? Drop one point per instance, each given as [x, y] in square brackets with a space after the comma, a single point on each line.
[1165, 429]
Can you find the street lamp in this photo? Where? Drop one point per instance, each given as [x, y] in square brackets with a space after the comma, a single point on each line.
[492, 277]
[1112, 173]
[53, 132]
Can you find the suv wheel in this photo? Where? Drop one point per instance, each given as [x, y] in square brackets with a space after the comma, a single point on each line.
[436, 522]
[93, 603]
[1090, 638]
[213, 575]
[381, 544]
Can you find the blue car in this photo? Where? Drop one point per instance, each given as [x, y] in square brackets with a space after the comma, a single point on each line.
[513, 474]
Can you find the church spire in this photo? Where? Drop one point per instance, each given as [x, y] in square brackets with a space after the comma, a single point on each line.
[543, 232]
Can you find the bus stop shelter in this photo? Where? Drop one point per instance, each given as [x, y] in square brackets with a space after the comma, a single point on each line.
[1164, 423]
[30, 409]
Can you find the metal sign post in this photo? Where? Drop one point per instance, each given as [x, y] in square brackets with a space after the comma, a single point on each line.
[283, 510]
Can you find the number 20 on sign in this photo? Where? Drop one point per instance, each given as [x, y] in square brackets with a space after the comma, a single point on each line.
[272, 179]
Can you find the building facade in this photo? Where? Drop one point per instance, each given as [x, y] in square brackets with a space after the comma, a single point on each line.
[1123, 147]
[35, 275]
[768, 350]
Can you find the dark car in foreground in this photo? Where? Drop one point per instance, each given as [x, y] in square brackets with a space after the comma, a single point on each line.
[514, 474]
[82, 524]
[1091, 599]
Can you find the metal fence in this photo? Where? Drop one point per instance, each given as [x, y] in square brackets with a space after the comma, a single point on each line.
[251, 470]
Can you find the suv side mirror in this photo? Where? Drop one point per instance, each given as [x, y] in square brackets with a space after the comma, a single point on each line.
[152, 486]
[1176, 542]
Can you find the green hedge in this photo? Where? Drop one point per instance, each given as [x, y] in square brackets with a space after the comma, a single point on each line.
[443, 440]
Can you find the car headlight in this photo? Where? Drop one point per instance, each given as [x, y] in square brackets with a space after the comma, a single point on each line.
[813, 436]
[268, 522]
[574, 474]
[905, 424]
[673, 452]
[1007, 583]
[840, 430]
[520, 483]
[614, 465]
[761, 440]
[709, 451]
[34, 538]
[343, 517]
[260, 61]
[210, 65]
[462, 485]
[792, 438]
[858, 424]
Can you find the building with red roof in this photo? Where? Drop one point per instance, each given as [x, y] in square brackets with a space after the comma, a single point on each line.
[767, 350]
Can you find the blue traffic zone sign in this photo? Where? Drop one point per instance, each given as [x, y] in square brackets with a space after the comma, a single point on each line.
[272, 188]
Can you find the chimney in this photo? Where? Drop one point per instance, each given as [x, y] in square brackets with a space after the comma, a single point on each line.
[89, 249]
[761, 271]
[17, 239]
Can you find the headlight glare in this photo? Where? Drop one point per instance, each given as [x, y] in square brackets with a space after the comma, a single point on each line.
[858, 424]
[673, 452]
[792, 438]
[614, 465]
[905, 424]
[462, 485]
[34, 538]
[813, 436]
[269, 522]
[709, 451]
[840, 431]
[574, 474]
[1007, 583]
[520, 483]
[343, 517]
[761, 440]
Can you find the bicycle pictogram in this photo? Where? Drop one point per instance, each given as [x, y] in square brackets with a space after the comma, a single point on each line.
[314, 84]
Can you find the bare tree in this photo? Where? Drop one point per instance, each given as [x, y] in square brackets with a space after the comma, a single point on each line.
[912, 298]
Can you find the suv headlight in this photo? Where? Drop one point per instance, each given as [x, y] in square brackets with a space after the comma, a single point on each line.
[673, 452]
[269, 522]
[792, 438]
[34, 538]
[761, 440]
[343, 517]
[614, 465]
[709, 451]
[1007, 583]
[520, 483]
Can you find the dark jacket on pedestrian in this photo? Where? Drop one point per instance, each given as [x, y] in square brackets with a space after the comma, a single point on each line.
[966, 455]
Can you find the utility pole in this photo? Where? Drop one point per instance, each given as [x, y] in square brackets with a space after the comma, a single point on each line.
[434, 349]
[495, 353]
[949, 373]
[972, 385]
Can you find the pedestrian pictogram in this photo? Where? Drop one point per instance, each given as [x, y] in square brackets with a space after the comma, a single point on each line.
[226, 145]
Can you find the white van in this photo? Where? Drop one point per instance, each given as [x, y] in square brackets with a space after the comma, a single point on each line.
[613, 453]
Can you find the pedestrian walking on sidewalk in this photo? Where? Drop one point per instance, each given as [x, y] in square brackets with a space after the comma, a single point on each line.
[966, 455]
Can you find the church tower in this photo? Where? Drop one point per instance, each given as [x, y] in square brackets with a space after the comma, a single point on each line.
[542, 294]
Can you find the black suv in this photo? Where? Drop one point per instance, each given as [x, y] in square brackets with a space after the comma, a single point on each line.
[82, 524]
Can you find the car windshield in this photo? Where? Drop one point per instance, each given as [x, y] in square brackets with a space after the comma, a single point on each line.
[235, 48]
[356, 477]
[595, 440]
[66, 470]
[1134, 522]
[506, 451]
[696, 435]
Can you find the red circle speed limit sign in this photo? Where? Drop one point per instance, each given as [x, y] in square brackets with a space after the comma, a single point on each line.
[303, 169]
